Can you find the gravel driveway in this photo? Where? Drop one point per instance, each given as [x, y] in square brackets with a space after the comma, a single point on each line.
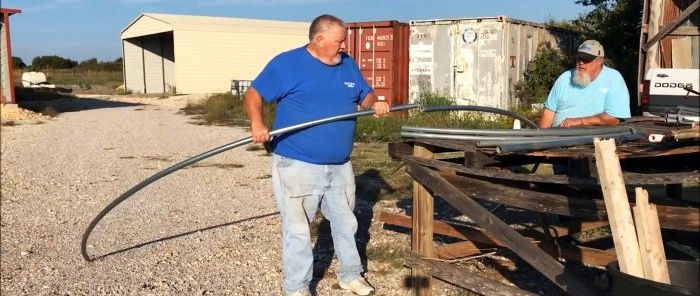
[209, 229]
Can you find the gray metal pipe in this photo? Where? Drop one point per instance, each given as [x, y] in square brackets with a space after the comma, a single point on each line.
[522, 132]
[561, 143]
[529, 140]
[467, 137]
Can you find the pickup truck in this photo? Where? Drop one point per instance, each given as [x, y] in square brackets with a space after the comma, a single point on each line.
[671, 93]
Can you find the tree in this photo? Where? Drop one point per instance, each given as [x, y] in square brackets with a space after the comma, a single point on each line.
[540, 75]
[52, 62]
[617, 25]
[17, 63]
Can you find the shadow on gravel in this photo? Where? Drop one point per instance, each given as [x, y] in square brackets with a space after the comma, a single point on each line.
[369, 186]
[70, 104]
[184, 234]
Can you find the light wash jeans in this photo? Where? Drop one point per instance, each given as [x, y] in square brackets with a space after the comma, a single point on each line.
[299, 187]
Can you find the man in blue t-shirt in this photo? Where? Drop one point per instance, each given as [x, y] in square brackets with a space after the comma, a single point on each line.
[589, 95]
[311, 167]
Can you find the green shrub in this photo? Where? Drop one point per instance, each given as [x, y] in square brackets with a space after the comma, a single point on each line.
[540, 75]
[226, 109]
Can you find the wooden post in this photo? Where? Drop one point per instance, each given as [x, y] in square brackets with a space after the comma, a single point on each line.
[655, 7]
[618, 208]
[650, 242]
[422, 235]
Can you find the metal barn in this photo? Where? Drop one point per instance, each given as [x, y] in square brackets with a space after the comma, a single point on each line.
[165, 53]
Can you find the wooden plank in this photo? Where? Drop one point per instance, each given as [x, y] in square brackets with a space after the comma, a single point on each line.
[682, 53]
[690, 133]
[537, 258]
[670, 217]
[672, 25]
[482, 240]
[466, 232]
[655, 11]
[463, 278]
[422, 235]
[650, 242]
[686, 31]
[456, 250]
[439, 227]
[638, 151]
[500, 174]
[618, 208]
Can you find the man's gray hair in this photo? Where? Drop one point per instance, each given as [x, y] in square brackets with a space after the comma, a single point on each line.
[322, 24]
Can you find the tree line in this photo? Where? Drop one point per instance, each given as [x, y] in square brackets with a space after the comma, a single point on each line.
[51, 62]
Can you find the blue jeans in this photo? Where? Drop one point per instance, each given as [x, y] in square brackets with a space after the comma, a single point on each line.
[299, 188]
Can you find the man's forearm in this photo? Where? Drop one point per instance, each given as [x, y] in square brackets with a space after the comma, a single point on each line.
[599, 119]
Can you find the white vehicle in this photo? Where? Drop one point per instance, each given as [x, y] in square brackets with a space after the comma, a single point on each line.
[671, 91]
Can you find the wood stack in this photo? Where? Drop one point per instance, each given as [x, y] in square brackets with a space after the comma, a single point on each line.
[637, 240]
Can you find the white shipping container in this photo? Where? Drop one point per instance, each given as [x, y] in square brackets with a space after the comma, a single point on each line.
[477, 61]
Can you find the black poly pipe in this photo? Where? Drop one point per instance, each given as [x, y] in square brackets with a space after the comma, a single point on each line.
[483, 109]
[210, 153]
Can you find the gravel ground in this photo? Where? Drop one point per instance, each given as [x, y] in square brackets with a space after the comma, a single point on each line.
[209, 229]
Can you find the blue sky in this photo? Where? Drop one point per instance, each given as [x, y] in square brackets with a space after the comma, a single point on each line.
[84, 29]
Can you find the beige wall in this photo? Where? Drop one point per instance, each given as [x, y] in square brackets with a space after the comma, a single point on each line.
[144, 26]
[5, 71]
[206, 62]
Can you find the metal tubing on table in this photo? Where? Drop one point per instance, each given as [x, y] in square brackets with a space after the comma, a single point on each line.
[521, 132]
[529, 140]
[467, 137]
[561, 143]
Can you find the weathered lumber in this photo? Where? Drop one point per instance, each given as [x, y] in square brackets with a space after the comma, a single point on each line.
[650, 242]
[456, 250]
[670, 217]
[618, 208]
[422, 235]
[537, 258]
[463, 278]
[690, 133]
[482, 240]
[631, 178]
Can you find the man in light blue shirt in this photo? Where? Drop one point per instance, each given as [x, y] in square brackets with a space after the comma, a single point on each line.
[589, 95]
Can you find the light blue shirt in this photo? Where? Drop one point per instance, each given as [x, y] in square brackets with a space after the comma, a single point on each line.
[607, 93]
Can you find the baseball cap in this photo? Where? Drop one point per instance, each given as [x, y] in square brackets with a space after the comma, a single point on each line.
[590, 49]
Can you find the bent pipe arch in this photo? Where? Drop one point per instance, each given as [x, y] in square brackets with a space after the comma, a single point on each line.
[210, 153]
[482, 109]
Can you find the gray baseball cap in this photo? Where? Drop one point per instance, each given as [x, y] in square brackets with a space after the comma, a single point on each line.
[591, 49]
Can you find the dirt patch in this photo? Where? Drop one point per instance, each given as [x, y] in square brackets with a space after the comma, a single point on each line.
[12, 113]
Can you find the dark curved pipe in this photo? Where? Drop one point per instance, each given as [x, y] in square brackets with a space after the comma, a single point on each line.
[210, 153]
[482, 109]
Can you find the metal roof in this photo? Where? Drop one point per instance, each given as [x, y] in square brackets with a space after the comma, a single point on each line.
[159, 23]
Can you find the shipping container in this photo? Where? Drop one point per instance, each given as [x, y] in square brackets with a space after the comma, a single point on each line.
[381, 51]
[477, 61]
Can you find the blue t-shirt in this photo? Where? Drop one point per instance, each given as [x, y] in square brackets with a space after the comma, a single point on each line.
[607, 93]
[306, 89]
